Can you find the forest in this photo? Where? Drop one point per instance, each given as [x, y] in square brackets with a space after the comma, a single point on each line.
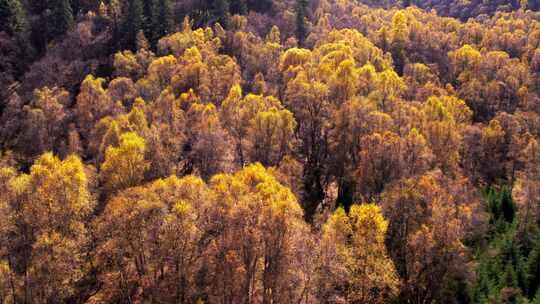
[269, 151]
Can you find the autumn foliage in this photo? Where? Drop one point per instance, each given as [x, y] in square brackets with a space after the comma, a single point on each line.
[269, 152]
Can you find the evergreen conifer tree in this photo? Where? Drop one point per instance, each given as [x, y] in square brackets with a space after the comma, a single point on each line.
[162, 20]
[507, 207]
[533, 270]
[149, 7]
[221, 12]
[238, 7]
[509, 277]
[13, 17]
[536, 299]
[61, 18]
[14, 21]
[301, 12]
[133, 23]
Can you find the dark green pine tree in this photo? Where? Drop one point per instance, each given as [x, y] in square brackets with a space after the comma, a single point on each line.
[493, 203]
[507, 207]
[5, 13]
[61, 18]
[83, 6]
[149, 7]
[221, 12]
[532, 269]
[509, 277]
[263, 6]
[501, 206]
[301, 13]
[163, 22]
[488, 275]
[13, 20]
[536, 299]
[13, 17]
[501, 268]
[239, 7]
[76, 6]
[133, 23]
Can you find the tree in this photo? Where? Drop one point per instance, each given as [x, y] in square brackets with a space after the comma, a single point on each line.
[442, 117]
[148, 9]
[13, 17]
[465, 58]
[429, 220]
[239, 7]
[61, 18]
[179, 238]
[355, 264]
[508, 209]
[379, 163]
[221, 11]
[274, 36]
[262, 232]
[236, 115]
[259, 125]
[201, 69]
[167, 135]
[308, 100]
[301, 15]
[93, 103]
[416, 155]
[46, 118]
[269, 135]
[353, 122]
[532, 269]
[389, 86]
[399, 34]
[133, 23]
[124, 166]
[141, 226]
[502, 270]
[527, 187]
[205, 148]
[493, 145]
[122, 89]
[162, 20]
[141, 41]
[46, 237]
[536, 298]
[343, 84]
[15, 23]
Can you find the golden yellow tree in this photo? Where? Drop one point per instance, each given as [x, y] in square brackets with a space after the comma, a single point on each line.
[343, 84]
[152, 237]
[124, 166]
[45, 233]
[355, 259]
[93, 103]
[441, 130]
[262, 237]
[270, 136]
[240, 116]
